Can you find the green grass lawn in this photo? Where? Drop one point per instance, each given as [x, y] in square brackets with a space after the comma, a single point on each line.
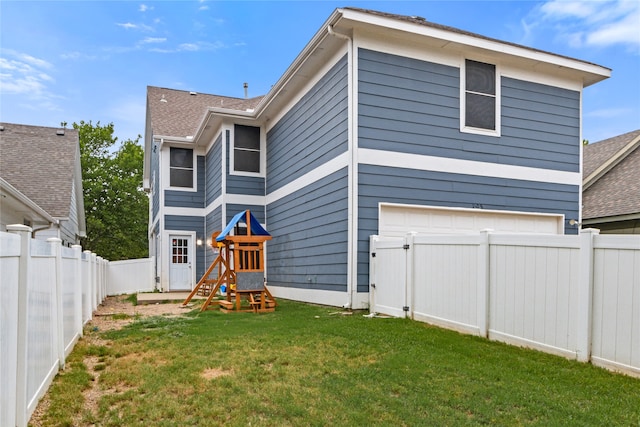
[304, 365]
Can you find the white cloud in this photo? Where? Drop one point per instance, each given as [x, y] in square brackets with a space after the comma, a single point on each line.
[594, 23]
[127, 25]
[189, 46]
[132, 26]
[623, 31]
[24, 74]
[149, 40]
[143, 7]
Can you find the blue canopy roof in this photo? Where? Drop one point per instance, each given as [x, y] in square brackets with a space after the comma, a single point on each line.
[256, 228]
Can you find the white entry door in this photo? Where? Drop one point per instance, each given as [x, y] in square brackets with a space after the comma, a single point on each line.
[180, 262]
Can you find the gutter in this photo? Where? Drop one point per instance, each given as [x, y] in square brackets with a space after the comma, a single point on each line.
[352, 217]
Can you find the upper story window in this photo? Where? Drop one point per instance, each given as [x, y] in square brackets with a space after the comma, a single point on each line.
[181, 167]
[480, 99]
[246, 149]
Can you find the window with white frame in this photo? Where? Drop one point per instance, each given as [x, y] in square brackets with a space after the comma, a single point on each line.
[480, 98]
[181, 167]
[246, 149]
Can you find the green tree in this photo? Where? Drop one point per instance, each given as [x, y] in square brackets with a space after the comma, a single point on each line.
[116, 206]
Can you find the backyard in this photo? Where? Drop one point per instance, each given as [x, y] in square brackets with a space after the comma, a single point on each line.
[305, 365]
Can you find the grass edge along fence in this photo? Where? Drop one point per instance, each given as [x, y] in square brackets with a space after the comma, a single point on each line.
[47, 294]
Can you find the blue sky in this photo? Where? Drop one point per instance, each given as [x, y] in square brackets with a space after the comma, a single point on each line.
[92, 60]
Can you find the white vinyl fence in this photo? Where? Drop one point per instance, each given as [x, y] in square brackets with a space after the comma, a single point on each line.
[574, 296]
[47, 294]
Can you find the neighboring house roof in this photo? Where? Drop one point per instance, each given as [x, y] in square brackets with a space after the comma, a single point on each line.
[178, 113]
[611, 177]
[43, 163]
[14, 199]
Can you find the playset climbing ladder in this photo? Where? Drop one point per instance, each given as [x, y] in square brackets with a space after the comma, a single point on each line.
[240, 268]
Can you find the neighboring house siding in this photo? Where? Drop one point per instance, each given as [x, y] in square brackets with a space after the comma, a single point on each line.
[309, 229]
[412, 106]
[213, 165]
[155, 176]
[179, 223]
[188, 199]
[312, 132]
[385, 184]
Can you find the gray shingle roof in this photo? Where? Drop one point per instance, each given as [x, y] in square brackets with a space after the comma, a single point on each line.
[178, 113]
[40, 164]
[617, 192]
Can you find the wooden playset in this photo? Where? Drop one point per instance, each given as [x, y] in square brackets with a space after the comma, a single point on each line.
[240, 268]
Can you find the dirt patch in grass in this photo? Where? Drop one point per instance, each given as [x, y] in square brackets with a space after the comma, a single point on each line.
[114, 313]
[213, 373]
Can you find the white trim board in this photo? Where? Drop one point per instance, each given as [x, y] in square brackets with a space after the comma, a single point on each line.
[466, 167]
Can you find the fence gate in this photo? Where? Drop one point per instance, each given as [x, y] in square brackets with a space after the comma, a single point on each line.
[388, 276]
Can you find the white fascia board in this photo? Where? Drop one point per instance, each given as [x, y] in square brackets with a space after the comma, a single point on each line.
[13, 192]
[595, 72]
[173, 139]
[466, 167]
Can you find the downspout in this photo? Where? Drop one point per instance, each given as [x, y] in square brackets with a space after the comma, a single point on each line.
[352, 227]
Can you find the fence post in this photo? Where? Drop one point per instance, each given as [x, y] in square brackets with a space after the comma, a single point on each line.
[86, 283]
[56, 245]
[483, 308]
[94, 283]
[585, 295]
[372, 273]
[23, 281]
[409, 274]
[77, 288]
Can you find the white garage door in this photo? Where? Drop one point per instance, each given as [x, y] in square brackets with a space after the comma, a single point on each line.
[398, 220]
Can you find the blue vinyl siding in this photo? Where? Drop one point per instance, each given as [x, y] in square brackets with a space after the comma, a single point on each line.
[189, 223]
[413, 106]
[309, 229]
[314, 131]
[213, 222]
[188, 199]
[213, 173]
[155, 176]
[385, 184]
